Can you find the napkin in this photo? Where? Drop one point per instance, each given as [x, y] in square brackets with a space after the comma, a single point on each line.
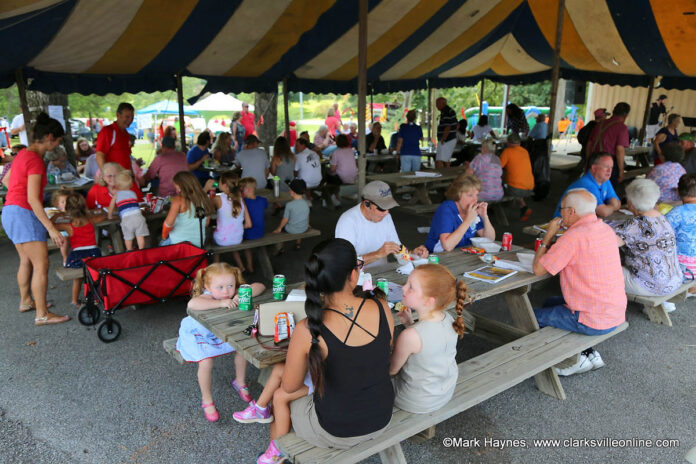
[406, 269]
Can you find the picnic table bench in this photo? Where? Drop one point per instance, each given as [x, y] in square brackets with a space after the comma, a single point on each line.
[496, 207]
[421, 184]
[260, 245]
[480, 378]
[653, 304]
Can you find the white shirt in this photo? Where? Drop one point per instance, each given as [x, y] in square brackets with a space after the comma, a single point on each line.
[18, 122]
[481, 133]
[308, 167]
[366, 236]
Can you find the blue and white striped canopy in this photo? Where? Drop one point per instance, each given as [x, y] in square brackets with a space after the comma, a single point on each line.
[99, 46]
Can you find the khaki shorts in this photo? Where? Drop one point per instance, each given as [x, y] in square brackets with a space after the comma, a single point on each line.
[134, 225]
[445, 150]
[306, 425]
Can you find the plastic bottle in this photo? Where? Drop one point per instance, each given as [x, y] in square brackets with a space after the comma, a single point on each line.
[276, 186]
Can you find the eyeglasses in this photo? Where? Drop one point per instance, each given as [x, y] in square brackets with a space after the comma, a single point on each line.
[564, 207]
[381, 210]
[360, 264]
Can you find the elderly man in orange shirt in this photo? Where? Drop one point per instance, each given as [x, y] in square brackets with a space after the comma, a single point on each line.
[587, 257]
[519, 179]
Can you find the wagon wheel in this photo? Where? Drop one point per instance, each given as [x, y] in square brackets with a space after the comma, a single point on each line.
[109, 330]
[89, 314]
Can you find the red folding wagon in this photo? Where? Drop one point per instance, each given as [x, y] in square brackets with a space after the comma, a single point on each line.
[144, 276]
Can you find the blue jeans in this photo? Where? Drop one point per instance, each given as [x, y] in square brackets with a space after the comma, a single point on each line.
[328, 150]
[554, 313]
[410, 163]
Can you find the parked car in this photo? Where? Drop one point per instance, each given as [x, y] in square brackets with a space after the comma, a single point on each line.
[79, 129]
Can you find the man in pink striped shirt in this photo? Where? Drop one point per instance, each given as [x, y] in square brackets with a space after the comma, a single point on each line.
[587, 258]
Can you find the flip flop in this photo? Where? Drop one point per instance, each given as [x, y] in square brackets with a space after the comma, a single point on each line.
[51, 319]
[23, 308]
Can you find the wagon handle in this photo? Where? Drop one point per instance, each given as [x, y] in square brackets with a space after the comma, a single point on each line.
[200, 214]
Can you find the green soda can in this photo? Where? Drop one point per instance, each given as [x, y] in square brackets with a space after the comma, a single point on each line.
[245, 297]
[435, 259]
[51, 179]
[278, 287]
[383, 284]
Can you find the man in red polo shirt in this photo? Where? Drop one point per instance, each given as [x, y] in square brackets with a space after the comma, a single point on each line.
[113, 142]
[247, 120]
[611, 136]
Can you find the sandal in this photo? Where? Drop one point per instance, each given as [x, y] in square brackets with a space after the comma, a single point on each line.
[23, 308]
[243, 391]
[211, 416]
[51, 319]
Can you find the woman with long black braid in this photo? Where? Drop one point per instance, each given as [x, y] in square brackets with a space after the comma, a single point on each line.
[345, 344]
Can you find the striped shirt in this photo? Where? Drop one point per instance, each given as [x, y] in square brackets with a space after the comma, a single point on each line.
[587, 256]
[448, 118]
[127, 203]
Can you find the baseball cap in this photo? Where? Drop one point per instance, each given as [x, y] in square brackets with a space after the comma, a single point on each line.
[601, 112]
[298, 186]
[687, 136]
[291, 123]
[380, 194]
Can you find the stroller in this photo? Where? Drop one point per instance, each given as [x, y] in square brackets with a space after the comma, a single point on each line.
[136, 277]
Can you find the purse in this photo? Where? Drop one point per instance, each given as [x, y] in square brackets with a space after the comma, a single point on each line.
[264, 319]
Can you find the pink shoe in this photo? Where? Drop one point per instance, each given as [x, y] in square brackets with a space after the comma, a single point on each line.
[243, 391]
[271, 456]
[253, 414]
[211, 416]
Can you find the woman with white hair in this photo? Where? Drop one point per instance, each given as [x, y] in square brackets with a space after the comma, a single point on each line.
[486, 167]
[324, 140]
[57, 164]
[649, 246]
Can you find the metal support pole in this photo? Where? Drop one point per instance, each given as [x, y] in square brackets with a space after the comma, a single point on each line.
[362, 91]
[22, 90]
[555, 71]
[430, 115]
[372, 105]
[503, 117]
[286, 111]
[641, 136]
[483, 81]
[180, 102]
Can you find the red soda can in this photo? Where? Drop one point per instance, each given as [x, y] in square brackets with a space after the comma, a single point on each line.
[537, 243]
[212, 194]
[148, 198]
[507, 241]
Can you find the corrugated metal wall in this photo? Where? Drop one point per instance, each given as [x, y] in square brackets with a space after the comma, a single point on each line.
[606, 96]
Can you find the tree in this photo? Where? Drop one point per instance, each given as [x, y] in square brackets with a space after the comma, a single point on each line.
[39, 101]
[266, 107]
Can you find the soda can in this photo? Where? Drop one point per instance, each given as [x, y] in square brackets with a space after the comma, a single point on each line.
[51, 179]
[148, 198]
[435, 259]
[244, 294]
[507, 241]
[537, 243]
[383, 284]
[279, 287]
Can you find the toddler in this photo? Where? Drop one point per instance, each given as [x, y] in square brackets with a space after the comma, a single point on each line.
[257, 208]
[133, 223]
[296, 216]
[232, 215]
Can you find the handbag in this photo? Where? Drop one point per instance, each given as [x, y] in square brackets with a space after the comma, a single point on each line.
[264, 318]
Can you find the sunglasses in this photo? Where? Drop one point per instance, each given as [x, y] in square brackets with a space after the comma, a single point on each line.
[381, 210]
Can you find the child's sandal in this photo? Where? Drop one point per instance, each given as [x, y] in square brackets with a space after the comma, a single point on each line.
[211, 416]
[243, 391]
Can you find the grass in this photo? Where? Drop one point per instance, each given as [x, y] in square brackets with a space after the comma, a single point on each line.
[144, 149]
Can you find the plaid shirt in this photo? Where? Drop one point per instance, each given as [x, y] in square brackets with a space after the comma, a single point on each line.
[587, 256]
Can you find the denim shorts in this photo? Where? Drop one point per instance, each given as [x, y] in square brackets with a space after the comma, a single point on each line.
[21, 225]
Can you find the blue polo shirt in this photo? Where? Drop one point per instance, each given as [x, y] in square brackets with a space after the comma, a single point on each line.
[193, 155]
[411, 134]
[603, 193]
[446, 220]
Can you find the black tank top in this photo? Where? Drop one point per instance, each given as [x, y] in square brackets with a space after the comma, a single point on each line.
[358, 393]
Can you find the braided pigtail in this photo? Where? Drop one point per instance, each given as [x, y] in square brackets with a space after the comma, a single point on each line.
[458, 324]
[314, 310]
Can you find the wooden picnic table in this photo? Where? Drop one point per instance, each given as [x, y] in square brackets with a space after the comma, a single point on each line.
[617, 217]
[421, 184]
[229, 325]
[283, 198]
[640, 154]
[50, 188]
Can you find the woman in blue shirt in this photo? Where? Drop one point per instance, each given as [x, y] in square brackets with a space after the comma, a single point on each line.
[460, 217]
[408, 145]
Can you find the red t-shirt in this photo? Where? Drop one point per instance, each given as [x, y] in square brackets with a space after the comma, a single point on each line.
[25, 164]
[247, 121]
[117, 149]
[613, 136]
[332, 123]
[100, 197]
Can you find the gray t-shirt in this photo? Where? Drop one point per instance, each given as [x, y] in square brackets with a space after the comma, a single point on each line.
[297, 213]
[254, 163]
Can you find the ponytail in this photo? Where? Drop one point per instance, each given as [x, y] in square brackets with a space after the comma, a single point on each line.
[203, 276]
[462, 299]
[314, 309]
[235, 193]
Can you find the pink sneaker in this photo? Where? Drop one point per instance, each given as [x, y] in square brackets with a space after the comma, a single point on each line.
[271, 456]
[243, 391]
[253, 414]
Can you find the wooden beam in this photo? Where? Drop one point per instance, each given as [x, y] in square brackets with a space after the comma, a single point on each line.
[362, 91]
[286, 110]
[481, 97]
[641, 135]
[556, 70]
[430, 115]
[506, 100]
[22, 90]
[180, 102]
[372, 106]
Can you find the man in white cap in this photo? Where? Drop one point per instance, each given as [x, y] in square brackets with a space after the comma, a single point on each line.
[369, 226]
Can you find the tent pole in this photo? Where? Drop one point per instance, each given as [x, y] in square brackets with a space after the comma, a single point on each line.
[286, 110]
[641, 134]
[22, 90]
[481, 97]
[180, 102]
[372, 106]
[506, 98]
[362, 91]
[430, 113]
[555, 71]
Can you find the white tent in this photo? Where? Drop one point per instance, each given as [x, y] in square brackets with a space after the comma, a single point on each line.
[220, 102]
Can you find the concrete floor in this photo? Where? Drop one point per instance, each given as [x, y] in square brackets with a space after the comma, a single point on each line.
[67, 397]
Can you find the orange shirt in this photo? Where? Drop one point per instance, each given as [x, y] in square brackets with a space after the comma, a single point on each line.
[592, 282]
[563, 125]
[517, 167]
